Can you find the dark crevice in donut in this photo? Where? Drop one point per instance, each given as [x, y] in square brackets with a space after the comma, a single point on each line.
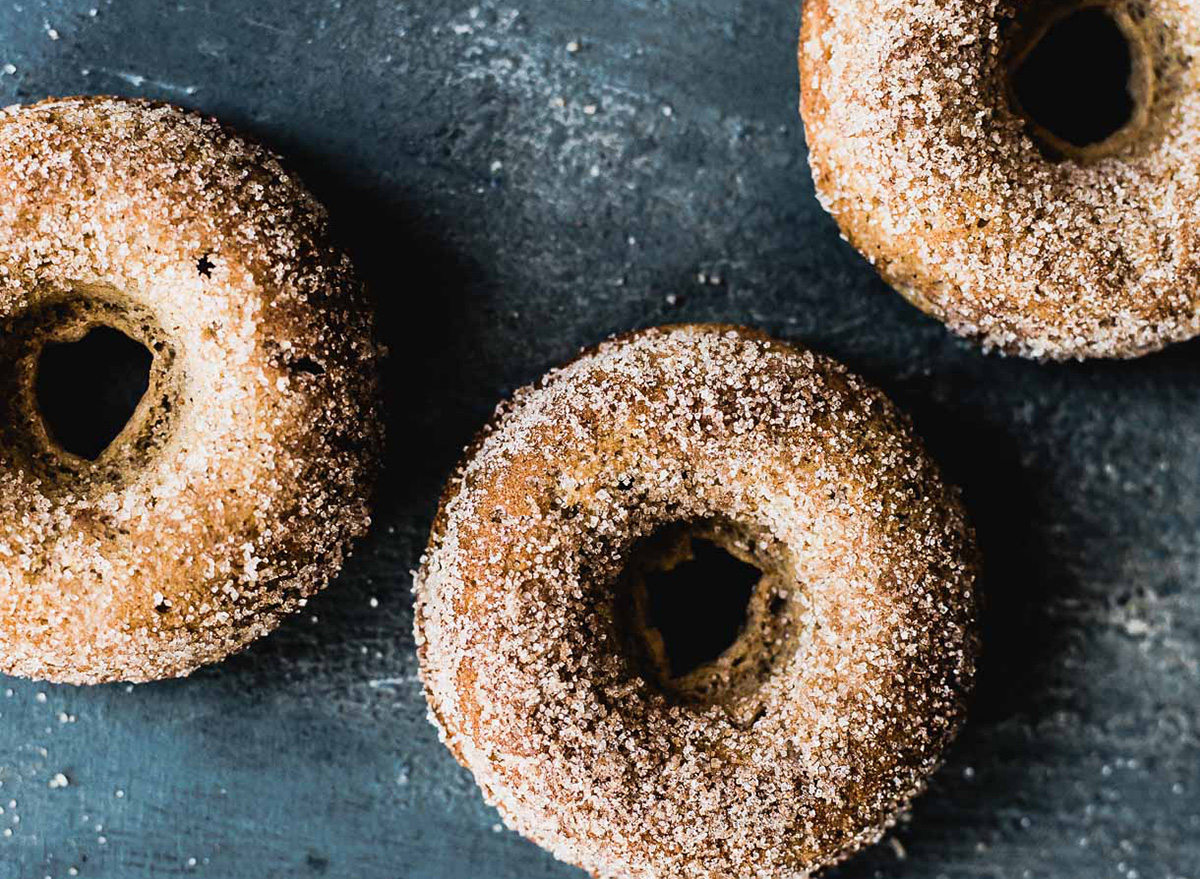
[777, 606]
[1076, 81]
[205, 266]
[88, 390]
[306, 366]
[699, 605]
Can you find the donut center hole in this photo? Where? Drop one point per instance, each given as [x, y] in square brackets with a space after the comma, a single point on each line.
[1080, 79]
[88, 390]
[709, 611]
[697, 603]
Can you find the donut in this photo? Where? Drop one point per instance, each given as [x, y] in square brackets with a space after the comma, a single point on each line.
[1022, 170]
[235, 488]
[546, 652]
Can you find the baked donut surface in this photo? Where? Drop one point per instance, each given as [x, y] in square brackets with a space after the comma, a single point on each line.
[799, 743]
[972, 206]
[234, 490]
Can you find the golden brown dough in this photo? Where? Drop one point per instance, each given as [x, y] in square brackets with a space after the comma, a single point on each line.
[801, 742]
[236, 487]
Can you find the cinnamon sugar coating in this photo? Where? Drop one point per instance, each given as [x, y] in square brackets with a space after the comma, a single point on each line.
[235, 489]
[815, 476]
[918, 152]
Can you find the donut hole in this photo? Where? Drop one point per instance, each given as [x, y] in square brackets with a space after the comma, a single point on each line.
[706, 613]
[699, 604]
[1082, 80]
[88, 390]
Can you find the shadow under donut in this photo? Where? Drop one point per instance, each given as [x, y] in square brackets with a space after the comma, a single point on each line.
[421, 289]
[1018, 577]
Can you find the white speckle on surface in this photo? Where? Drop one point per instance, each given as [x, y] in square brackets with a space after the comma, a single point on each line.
[1137, 627]
[573, 46]
[137, 80]
[59, 780]
[383, 683]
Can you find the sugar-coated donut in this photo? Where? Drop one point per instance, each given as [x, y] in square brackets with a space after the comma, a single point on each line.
[800, 743]
[1038, 223]
[235, 488]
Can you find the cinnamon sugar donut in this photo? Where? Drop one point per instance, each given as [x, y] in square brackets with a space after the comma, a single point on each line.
[1023, 170]
[232, 493]
[547, 676]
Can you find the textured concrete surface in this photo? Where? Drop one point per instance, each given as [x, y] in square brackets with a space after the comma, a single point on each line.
[519, 179]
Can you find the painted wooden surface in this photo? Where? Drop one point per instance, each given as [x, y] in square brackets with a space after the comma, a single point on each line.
[518, 179]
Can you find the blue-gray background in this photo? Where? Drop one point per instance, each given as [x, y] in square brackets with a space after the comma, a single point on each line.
[512, 196]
